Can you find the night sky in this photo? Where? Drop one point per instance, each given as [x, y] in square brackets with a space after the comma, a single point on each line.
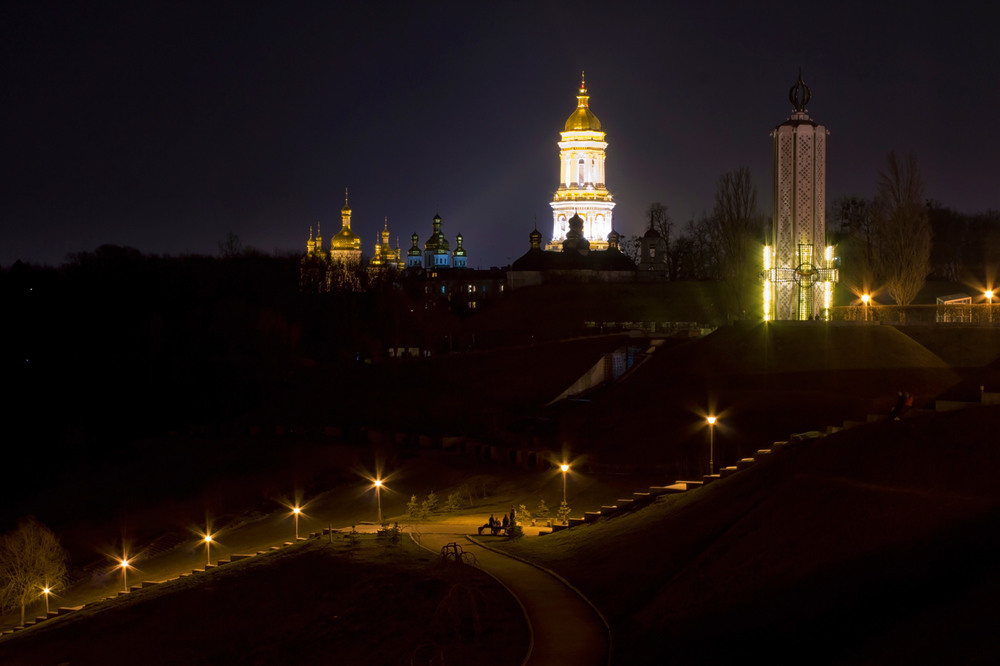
[164, 126]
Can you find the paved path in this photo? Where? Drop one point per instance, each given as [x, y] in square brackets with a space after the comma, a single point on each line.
[566, 629]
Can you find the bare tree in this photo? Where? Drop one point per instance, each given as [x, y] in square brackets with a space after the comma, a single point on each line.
[630, 247]
[31, 559]
[859, 242]
[735, 227]
[659, 219]
[904, 231]
[231, 247]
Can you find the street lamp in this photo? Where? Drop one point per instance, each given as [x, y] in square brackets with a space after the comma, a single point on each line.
[865, 300]
[378, 498]
[124, 565]
[208, 550]
[295, 511]
[711, 444]
[46, 591]
[989, 300]
[565, 468]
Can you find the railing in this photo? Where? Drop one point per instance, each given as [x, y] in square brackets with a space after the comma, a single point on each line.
[982, 314]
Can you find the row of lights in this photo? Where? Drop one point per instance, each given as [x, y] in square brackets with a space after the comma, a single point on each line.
[123, 562]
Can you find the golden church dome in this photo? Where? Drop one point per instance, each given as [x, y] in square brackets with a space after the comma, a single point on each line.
[345, 240]
[583, 118]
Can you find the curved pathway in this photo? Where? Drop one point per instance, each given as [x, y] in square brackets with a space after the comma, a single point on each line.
[566, 629]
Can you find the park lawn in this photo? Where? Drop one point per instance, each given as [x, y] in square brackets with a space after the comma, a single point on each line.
[358, 600]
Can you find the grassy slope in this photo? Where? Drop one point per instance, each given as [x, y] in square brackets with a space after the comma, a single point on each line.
[765, 382]
[313, 604]
[870, 545]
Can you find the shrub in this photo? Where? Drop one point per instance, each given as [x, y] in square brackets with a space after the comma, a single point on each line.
[563, 513]
[454, 502]
[430, 505]
[412, 508]
[542, 512]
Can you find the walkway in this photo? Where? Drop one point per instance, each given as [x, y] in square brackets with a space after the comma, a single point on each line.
[566, 629]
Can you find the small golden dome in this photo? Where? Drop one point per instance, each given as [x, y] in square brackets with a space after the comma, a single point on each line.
[583, 118]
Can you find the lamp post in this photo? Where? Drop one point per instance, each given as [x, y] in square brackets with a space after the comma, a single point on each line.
[208, 550]
[124, 565]
[989, 303]
[46, 591]
[295, 511]
[565, 468]
[711, 444]
[378, 498]
[865, 300]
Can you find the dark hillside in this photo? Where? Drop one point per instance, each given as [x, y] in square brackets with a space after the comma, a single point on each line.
[878, 543]
[764, 382]
[960, 346]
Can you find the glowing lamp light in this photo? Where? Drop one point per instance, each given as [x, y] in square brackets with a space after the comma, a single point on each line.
[711, 444]
[865, 298]
[564, 467]
[123, 563]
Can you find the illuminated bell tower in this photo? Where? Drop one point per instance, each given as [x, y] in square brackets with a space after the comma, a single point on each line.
[799, 267]
[581, 178]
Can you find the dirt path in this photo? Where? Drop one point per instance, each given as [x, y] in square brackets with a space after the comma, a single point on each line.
[566, 629]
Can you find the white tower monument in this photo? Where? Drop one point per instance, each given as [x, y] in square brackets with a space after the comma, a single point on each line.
[799, 267]
[581, 178]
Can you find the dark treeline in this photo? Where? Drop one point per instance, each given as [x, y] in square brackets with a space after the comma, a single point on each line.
[964, 246]
[116, 344]
[117, 362]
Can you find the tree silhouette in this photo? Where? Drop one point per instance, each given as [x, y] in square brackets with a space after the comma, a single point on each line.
[31, 559]
[904, 231]
[736, 229]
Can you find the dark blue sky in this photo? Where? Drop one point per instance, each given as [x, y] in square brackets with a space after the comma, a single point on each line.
[164, 126]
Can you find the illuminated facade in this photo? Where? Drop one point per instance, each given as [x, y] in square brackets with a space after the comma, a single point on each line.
[582, 190]
[799, 267]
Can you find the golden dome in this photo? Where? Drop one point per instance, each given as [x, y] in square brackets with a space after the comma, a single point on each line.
[583, 118]
[345, 240]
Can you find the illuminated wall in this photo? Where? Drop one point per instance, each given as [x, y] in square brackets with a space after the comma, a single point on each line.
[581, 178]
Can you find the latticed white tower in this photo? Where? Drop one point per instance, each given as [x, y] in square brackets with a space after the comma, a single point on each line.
[799, 267]
[581, 178]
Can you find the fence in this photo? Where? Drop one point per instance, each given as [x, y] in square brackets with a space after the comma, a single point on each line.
[977, 313]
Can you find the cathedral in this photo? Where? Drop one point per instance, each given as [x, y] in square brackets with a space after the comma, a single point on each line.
[340, 266]
[799, 267]
[582, 191]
